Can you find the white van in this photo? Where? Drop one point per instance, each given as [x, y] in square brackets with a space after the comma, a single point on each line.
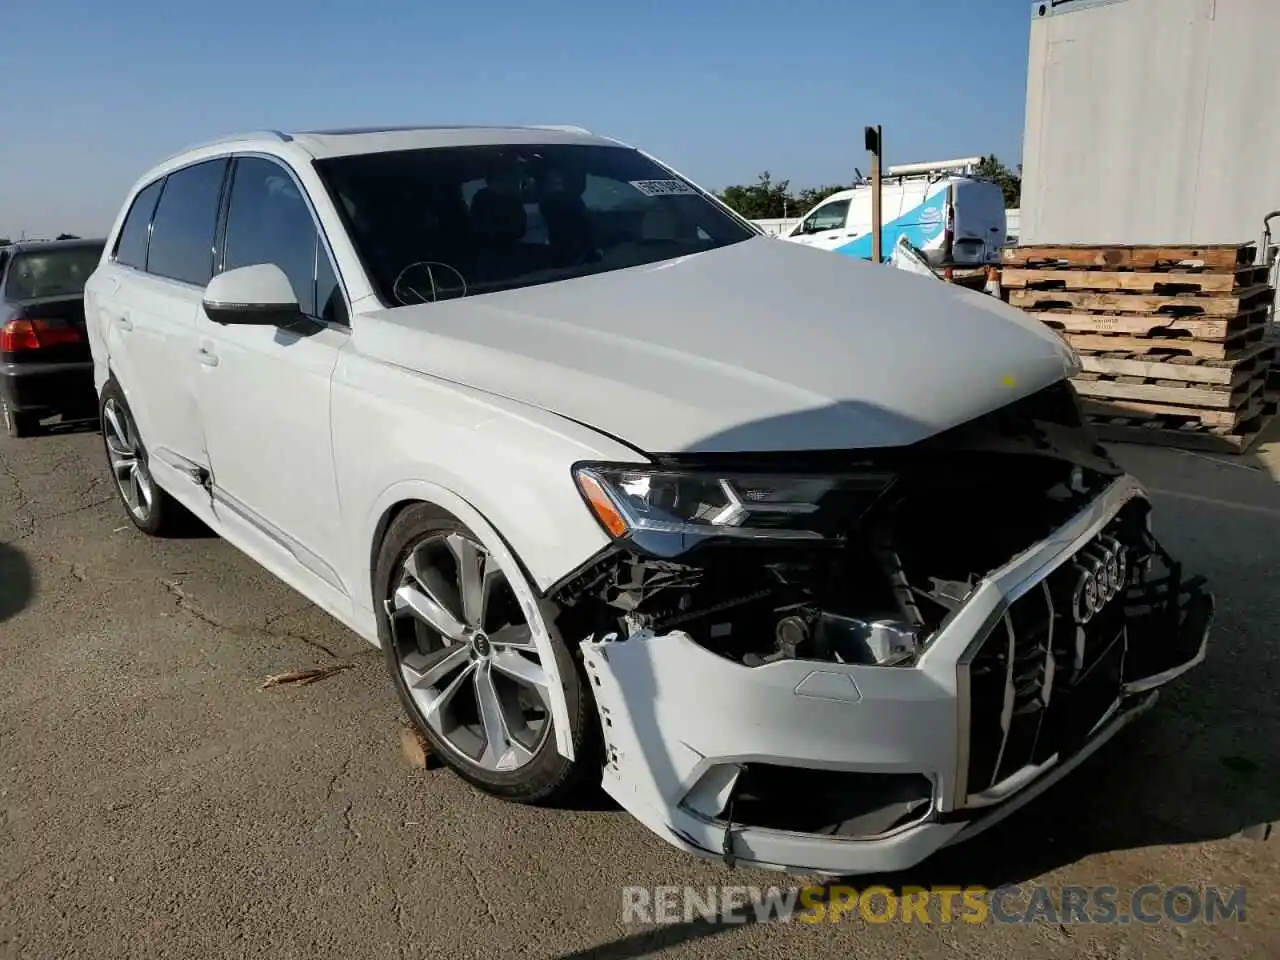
[954, 219]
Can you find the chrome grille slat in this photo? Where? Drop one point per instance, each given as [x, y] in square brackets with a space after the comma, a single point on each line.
[1036, 719]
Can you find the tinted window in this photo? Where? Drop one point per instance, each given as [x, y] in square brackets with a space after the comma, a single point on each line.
[56, 272]
[131, 245]
[458, 221]
[182, 231]
[269, 221]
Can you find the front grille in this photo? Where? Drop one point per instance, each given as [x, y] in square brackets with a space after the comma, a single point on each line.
[1040, 681]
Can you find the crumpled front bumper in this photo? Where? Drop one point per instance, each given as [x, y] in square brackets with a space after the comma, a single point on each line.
[682, 724]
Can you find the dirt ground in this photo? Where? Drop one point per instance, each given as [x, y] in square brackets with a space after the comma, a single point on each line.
[156, 802]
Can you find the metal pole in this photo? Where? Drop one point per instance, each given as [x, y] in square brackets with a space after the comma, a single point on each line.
[874, 146]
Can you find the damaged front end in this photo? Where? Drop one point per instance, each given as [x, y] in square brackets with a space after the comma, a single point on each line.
[840, 662]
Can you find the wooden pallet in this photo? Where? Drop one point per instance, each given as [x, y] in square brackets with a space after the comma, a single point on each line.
[1250, 403]
[1157, 325]
[1169, 346]
[1189, 435]
[1176, 393]
[1215, 257]
[1254, 360]
[1166, 284]
[1190, 305]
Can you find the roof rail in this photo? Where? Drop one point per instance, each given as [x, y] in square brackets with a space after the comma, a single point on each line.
[249, 135]
[231, 138]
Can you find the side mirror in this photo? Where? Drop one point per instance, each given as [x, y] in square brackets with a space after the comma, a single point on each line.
[258, 294]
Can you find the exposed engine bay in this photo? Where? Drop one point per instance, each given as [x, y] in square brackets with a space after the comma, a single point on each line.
[887, 571]
[1012, 550]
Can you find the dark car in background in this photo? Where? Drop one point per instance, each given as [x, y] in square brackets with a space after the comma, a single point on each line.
[45, 366]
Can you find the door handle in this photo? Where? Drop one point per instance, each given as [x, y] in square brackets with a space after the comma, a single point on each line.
[206, 357]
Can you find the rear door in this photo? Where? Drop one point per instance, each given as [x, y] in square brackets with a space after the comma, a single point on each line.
[979, 218]
[147, 302]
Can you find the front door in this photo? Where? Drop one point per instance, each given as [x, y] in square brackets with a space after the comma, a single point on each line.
[264, 390]
[826, 227]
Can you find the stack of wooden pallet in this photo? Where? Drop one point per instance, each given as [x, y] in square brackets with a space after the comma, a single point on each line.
[1172, 340]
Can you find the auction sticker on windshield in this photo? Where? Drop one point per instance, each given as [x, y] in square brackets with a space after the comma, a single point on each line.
[663, 188]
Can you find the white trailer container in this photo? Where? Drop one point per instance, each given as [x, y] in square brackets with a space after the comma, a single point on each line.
[1151, 121]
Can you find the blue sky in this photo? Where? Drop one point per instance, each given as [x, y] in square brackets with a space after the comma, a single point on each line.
[98, 90]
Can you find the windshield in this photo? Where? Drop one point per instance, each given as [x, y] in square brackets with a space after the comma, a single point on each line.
[458, 221]
[59, 272]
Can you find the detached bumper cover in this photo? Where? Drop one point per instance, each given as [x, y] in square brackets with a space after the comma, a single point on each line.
[986, 719]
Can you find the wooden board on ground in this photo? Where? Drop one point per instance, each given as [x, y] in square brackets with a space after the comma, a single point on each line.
[1191, 369]
[1216, 257]
[1150, 325]
[1166, 284]
[1217, 305]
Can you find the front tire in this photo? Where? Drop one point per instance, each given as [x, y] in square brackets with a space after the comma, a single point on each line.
[151, 509]
[460, 652]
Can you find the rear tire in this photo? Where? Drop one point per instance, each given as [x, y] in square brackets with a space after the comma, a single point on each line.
[152, 510]
[421, 558]
[16, 423]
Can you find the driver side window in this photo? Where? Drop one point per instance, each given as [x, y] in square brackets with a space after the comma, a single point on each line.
[269, 221]
[829, 216]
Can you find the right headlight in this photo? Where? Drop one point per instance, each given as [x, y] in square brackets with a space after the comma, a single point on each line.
[667, 512]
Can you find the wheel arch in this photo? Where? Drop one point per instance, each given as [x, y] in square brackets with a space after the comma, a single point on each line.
[540, 613]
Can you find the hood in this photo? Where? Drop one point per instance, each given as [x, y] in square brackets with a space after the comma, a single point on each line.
[757, 346]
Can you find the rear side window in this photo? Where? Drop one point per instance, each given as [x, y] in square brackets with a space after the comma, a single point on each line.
[131, 245]
[182, 230]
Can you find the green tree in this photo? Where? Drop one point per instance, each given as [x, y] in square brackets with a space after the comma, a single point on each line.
[810, 197]
[992, 170]
[765, 199]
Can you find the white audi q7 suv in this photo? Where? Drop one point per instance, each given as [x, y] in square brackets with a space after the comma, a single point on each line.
[811, 562]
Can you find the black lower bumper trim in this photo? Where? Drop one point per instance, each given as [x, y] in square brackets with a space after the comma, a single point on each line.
[40, 388]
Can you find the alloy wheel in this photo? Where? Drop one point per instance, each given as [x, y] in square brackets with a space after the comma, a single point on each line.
[128, 460]
[466, 653]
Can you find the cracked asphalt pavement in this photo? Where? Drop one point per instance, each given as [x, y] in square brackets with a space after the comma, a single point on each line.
[155, 801]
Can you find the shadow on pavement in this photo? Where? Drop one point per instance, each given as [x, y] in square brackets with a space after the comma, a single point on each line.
[652, 941]
[68, 425]
[17, 583]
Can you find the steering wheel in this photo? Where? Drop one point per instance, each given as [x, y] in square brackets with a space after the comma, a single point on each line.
[419, 280]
